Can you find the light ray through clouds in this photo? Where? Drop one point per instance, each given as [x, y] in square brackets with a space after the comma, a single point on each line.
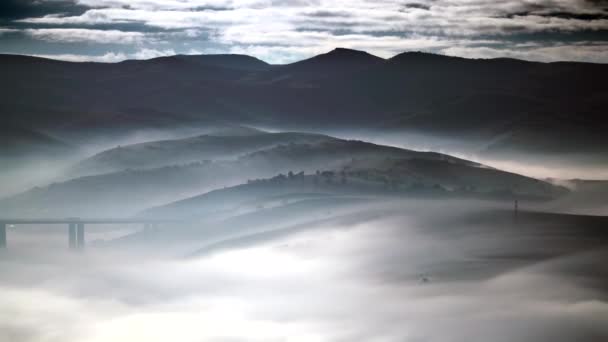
[287, 30]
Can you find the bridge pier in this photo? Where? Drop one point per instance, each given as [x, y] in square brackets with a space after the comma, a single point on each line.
[2, 235]
[76, 227]
[151, 227]
[80, 235]
[72, 235]
[76, 235]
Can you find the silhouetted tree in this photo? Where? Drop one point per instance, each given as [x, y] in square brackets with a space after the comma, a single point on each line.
[328, 176]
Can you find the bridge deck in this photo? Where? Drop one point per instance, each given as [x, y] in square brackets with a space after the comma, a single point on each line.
[86, 221]
[76, 226]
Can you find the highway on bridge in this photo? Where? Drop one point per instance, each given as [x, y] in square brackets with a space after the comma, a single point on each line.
[76, 226]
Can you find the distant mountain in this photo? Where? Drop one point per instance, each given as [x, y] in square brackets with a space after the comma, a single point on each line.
[94, 98]
[127, 192]
[498, 105]
[223, 145]
[121, 193]
[18, 142]
[373, 178]
[336, 63]
[229, 61]
[29, 157]
[339, 60]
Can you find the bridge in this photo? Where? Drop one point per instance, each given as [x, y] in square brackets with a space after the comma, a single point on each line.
[76, 226]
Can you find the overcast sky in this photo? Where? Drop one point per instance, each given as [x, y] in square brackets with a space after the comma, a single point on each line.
[281, 31]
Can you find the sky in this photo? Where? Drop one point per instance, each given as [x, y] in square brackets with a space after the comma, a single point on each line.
[284, 31]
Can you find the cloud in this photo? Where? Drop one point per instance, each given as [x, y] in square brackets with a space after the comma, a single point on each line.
[310, 43]
[79, 35]
[283, 25]
[594, 52]
[446, 16]
[336, 282]
[155, 5]
[15, 9]
[4, 30]
[110, 57]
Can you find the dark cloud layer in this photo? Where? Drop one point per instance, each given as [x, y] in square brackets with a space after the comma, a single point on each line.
[19, 9]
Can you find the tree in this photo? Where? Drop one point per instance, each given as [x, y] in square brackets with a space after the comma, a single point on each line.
[328, 175]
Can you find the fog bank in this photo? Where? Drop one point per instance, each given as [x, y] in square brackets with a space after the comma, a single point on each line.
[392, 277]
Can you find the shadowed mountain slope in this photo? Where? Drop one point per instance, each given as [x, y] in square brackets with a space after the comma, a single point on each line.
[19, 142]
[228, 61]
[212, 146]
[334, 64]
[373, 178]
[504, 104]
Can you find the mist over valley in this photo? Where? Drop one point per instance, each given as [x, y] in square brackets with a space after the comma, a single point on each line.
[343, 197]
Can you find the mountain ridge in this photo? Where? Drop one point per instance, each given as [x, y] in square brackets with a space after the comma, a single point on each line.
[335, 51]
[424, 93]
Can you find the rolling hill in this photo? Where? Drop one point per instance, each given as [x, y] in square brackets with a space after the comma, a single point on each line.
[366, 178]
[126, 192]
[213, 146]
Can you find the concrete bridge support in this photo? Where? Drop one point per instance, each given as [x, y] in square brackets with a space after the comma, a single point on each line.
[72, 235]
[2, 235]
[80, 235]
[151, 227]
[76, 235]
[76, 231]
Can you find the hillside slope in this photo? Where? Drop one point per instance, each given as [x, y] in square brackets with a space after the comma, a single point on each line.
[543, 107]
[126, 192]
